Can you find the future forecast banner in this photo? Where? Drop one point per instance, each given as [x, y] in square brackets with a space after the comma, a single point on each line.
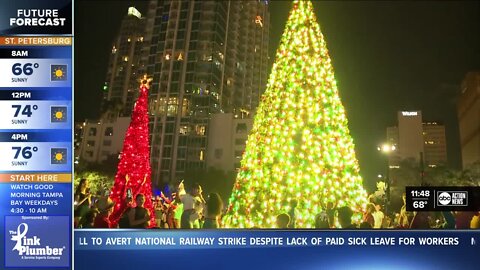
[36, 134]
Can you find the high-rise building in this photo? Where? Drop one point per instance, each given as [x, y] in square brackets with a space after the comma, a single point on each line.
[415, 139]
[469, 118]
[102, 138]
[227, 138]
[125, 65]
[205, 57]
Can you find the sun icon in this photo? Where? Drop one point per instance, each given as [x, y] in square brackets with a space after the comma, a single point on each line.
[59, 156]
[58, 114]
[59, 72]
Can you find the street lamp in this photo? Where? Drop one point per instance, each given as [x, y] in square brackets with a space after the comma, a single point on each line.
[386, 149]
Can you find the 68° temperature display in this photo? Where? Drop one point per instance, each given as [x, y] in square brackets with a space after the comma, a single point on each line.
[419, 204]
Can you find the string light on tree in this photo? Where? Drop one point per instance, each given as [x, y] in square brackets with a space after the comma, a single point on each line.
[133, 170]
[300, 146]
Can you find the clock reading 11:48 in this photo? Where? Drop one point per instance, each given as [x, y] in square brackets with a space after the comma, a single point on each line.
[420, 193]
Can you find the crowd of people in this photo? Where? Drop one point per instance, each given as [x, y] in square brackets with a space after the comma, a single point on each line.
[186, 208]
[183, 209]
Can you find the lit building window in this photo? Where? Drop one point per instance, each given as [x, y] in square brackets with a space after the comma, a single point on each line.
[201, 155]
[200, 130]
[125, 58]
[180, 57]
[208, 58]
[183, 130]
[114, 50]
[258, 20]
[129, 39]
[109, 131]
[172, 106]
[167, 56]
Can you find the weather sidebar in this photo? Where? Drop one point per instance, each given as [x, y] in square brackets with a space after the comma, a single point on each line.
[36, 134]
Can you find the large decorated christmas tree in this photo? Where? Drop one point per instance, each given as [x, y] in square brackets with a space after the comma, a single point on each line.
[299, 147]
[133, 172]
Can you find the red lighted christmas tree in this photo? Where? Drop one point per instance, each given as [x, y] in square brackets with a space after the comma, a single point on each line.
[133, 170]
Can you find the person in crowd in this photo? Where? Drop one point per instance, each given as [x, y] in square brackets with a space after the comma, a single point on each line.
[158, 212]
[88, 221]
[378, 217]
[105, 208]
[420, 221]
[387, 222]
[176, 211]
[214, 209]
[331, 209]
[193, 204]
[404, 216]
[365, 225]
[449, 220]
[345, 217]
[139, 216]
[368, 215]
[321, 221]
[463, 219]
[291, 213]
[475, 222]
[77, 219]
[83, 198]
[283, 220]
[124, 221]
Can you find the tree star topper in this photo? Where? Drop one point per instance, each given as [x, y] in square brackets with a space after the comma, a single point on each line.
[145, 81]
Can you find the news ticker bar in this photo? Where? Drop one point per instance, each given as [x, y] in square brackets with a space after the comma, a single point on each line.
[443, 198]
[202, 239]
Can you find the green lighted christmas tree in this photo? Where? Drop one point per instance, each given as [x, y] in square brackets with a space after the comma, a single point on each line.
[300, 147]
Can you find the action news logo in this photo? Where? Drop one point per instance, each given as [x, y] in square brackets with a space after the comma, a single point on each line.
[452, 198]
[41, 241]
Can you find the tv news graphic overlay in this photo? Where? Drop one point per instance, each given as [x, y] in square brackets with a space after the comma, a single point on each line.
[443, 198]
[274, 249]
[36, 134]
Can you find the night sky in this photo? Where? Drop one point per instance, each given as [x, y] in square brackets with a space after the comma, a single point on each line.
[387, 56]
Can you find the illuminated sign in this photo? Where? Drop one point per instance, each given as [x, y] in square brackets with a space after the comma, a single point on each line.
[409, 113]
[133, 11]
